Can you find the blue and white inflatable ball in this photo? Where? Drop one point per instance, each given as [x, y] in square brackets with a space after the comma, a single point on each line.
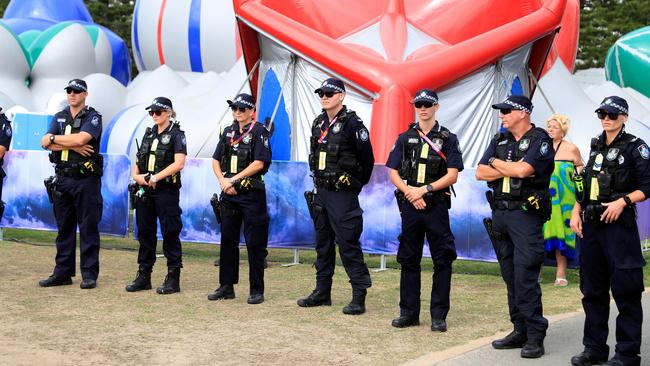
[36, 22]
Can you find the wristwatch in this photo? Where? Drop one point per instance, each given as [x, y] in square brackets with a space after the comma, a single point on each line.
[627, 200]
[153, 179]
[429, 188]
[492, 159]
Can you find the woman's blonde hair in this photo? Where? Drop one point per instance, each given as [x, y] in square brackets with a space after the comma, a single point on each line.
[563, 120]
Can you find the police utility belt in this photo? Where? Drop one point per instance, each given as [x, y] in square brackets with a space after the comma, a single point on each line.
[81, 170]
[334, 181]
[430, 198]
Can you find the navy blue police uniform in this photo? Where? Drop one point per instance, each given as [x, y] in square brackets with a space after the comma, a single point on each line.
[5, 140]
[236, 150]
[519, 209]
[162, 203]
[341, 160]
[78, 200]
[419, 164]
[610, 253]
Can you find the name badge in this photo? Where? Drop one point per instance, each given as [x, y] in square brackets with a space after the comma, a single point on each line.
[152, 156]
[594, 190]
[425, 151]
[598, 163]
[422, 171]
[233, 164]
[322, 156]
[65, 153]
[505, 187]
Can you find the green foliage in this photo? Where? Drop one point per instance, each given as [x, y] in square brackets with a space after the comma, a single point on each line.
[602, 22]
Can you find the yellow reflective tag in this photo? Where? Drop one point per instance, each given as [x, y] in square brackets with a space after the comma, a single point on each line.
[422, 171]
[505, 187]
[152, 156]
[425, 151]
[64, 153]
[233, 164]
[594, 191]
[322, 157]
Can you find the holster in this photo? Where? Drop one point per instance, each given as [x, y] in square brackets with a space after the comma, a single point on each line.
[540, 204]
[216, 207]
[497, 239]
[50, 188]
[309, 199]
[136, 193]
[401, 200]
[489, 195]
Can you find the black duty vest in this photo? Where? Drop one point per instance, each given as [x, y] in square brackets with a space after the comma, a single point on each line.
[517, 189]
[608, 176]
[421, 164]
[70, 158]
[337, 154]
[236, 158]
[157, 153]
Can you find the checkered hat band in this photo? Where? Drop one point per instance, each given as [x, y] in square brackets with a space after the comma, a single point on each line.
[517, 106]
[245, 102]
[76, 85]
[428, 97]
[158, 104]
[619, 107]
[332, 86]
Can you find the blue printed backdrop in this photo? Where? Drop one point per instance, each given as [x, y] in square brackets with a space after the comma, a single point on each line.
[29, 208]
[291, 226]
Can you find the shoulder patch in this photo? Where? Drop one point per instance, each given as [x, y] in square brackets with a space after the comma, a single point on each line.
[8, 130]
[95, 121]
[644, 151]
[183, 140]
[544, 148]
[363, 134]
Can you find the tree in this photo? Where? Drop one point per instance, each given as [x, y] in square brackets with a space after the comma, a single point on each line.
[602, 22]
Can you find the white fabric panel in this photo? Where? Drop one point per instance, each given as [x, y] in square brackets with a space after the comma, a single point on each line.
[174, 35]
[147, 27]
[218, 29]
[105, 94]
[369, 37]
[465, 109]
[14, 69]
[103, 53]
[416, 39]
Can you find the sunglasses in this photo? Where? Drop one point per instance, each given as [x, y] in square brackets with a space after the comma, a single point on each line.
[73, 91]
[419, 105]
[328, 94]
[157, 113]
[240, 109]
[612, 115]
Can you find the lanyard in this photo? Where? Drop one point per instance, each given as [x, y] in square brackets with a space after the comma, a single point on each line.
[433, 146]
[234, 142]
[323, 134]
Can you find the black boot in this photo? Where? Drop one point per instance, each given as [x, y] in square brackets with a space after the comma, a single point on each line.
[358, 304]
[142, 280]
[224, 292]
[172, 282]
[515, 339]
[316, 298]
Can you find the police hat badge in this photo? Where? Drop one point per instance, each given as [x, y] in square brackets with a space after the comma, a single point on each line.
[336, 128]
[612, 154]
[523, 145]
[164, 139]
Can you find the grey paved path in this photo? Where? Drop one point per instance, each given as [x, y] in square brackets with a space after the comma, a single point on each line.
[563, 340]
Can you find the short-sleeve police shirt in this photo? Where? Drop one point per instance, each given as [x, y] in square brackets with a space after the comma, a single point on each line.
[5, 131]
[259, 139]
[92, 123]
[450, 148]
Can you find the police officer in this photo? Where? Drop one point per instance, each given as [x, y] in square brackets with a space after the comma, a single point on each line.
[341, 161]
[616, 178]
[427, 156]
[517, 165]
[241, 159]
[5, 141]
[157, 171]
[73, 138]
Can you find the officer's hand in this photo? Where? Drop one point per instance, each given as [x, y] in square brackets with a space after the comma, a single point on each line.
[419, 204]
[152, 184]
[85, 150]
[613, 210]
[139, 179]
[576, 223]
[414, 194]
[231, 190]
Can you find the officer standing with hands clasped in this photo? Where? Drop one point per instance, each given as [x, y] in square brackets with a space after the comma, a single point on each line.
[341, 161]
[517, 166]
[615, 179]
[5, 141]
[73, 139]
[427, 156]
[157, 170]
[241, 159]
